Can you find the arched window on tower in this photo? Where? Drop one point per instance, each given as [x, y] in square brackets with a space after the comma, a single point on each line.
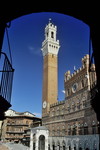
[52, 34]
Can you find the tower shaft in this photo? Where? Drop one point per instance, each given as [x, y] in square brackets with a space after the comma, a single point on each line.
[50, 79]
[50, 48]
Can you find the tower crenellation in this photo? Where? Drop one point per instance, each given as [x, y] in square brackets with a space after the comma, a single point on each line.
[85, 64]
[50, 44]
[85, 60]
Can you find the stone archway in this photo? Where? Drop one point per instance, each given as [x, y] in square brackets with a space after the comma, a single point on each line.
[63, 145]
[58, 145]
[87, 149]
[95, 145]
[53, 145]
[41, 142]
[86, 145]
[69, 145]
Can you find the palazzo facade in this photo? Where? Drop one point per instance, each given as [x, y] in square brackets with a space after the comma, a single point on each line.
[72, 123]
[15, 123]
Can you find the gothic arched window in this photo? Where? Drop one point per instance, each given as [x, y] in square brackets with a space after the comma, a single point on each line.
[68, 92]
[93, 127]
[74, 130]
[85, 129]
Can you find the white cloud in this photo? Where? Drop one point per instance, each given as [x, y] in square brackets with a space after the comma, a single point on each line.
[37, 114]
[35, 51]
[63, 91]
[31, 49]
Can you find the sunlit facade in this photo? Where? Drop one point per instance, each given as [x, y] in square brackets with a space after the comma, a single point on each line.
[72, 123]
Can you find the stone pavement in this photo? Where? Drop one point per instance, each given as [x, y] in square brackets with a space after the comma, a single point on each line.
[13, 146]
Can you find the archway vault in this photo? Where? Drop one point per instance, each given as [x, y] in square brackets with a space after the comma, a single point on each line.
[88, 13]
[79, 10]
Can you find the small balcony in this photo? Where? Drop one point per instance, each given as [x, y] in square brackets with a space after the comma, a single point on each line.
[6, 79]
[15, 132]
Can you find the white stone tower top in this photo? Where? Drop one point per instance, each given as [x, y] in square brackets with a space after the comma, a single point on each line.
[50, 44]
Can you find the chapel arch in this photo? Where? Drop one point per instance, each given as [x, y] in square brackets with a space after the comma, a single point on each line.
[41, 142]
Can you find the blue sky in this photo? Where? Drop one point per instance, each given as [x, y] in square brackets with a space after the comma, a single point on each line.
[26, 35]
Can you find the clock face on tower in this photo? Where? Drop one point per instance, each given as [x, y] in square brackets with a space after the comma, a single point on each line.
[44, 104]
[74, 87]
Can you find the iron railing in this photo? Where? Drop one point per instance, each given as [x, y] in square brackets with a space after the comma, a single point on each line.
[6, 77]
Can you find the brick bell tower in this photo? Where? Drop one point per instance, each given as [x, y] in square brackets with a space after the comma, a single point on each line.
[50, 48]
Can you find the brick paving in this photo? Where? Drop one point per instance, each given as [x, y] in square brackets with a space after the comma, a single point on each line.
[3, 147]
